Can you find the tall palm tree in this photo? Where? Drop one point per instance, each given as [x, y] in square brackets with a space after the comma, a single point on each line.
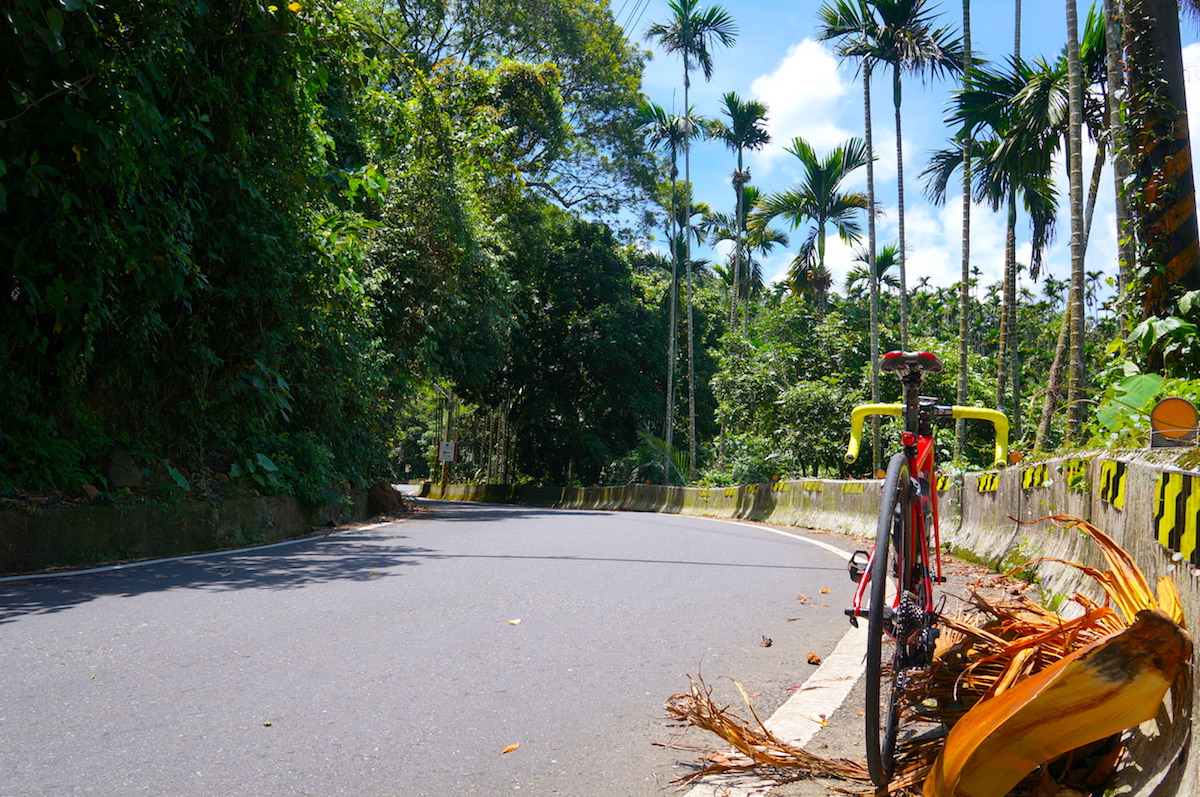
[1008, 355]
[760, 241]
[744, 131]
[818, 199]
[1014, 143]
[1075, 178]
[964, 288]
[1118, 141]
[671, 133]
[719, 227]
[1022, 117]
[904, 37]
[691, 32]
[852, 23]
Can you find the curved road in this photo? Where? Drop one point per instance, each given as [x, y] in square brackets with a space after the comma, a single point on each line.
[389, 660]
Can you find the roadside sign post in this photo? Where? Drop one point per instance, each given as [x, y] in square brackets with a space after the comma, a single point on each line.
[446, 450]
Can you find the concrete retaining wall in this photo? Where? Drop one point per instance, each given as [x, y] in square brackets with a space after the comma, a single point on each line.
[1119, 492]
[84, 536]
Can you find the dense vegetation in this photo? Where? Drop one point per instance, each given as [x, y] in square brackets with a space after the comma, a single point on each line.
[290, 248]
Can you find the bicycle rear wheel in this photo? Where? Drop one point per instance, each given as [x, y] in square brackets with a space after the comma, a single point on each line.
[883, 665]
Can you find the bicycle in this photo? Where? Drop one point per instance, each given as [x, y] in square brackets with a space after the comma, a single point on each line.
[907, 550]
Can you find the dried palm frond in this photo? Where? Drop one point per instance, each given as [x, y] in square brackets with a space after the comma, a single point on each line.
[998, 655]
[755, 748]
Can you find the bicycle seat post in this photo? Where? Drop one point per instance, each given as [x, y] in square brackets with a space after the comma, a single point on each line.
[911, 381]
[911, 367]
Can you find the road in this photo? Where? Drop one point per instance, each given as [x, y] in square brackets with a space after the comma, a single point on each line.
[405, 658]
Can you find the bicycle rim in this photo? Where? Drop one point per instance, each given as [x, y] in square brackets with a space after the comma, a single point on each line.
[882, 665]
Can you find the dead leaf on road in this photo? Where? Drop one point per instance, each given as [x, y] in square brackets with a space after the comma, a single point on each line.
[510, 748]
[766, 642]
[813, 658]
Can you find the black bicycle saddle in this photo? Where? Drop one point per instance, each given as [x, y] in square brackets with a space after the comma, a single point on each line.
[923, 361]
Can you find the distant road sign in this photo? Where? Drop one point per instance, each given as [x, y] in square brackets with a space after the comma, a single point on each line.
[446, 451]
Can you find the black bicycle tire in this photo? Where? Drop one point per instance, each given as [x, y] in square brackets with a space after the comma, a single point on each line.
[882, 709]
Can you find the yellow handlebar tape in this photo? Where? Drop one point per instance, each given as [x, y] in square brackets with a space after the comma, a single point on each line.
[998, 419]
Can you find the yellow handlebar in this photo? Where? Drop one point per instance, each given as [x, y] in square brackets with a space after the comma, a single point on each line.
[859, 415]
[994, 417]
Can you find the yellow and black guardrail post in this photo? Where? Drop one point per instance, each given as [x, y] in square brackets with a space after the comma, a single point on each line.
[1177, 513]
[1035, 476]
[1113, 476]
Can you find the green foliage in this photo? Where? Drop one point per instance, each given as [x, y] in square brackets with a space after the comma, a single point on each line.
[1170, 344]
[647, 463]
[786, 392]
[599, 165]
[583, 371]
[749, 459]
[1122, 419]
[180, 235]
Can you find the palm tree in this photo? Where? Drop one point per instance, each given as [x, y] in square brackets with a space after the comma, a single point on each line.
[690, 32]
[852, 23]
[903, 36]
[744, 131]
[1118, 139]
[886, 268]
[671, 133]
[1014, 141]
[1075, 178]
[717, 227]
[760, 240]
[818, 199]
[964, 288]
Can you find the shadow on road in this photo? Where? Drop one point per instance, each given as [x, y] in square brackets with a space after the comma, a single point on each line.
[354, 556]
[463, 511]
[351, 555]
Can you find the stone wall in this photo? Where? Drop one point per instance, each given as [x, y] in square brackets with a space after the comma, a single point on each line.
[84, 536]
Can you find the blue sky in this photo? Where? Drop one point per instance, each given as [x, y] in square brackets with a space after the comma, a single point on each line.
[809, 93]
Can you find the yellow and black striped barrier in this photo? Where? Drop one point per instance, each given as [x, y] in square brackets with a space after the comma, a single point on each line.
[853, 488]
[1074, 467]
[814, 487]
[987, 482]
[779, 487]
[1034, 477]
[945, 483]
[1112, 482]
[752, 489]
[731, 492]
[1177, 513]
[706, 494]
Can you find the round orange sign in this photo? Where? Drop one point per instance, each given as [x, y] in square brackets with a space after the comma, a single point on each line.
[1174, 418]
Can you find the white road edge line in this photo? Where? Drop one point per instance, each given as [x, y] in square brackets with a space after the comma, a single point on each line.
[206, 555]
[805, 712]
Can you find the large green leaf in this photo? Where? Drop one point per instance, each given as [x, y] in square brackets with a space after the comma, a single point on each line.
[1132, 396]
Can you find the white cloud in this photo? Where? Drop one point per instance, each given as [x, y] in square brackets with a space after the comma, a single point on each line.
[804, 96]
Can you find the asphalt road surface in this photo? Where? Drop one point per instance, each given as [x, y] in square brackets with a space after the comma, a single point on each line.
[405, 658]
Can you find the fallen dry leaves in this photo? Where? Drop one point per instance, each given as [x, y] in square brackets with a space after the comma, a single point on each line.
[986, 649]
